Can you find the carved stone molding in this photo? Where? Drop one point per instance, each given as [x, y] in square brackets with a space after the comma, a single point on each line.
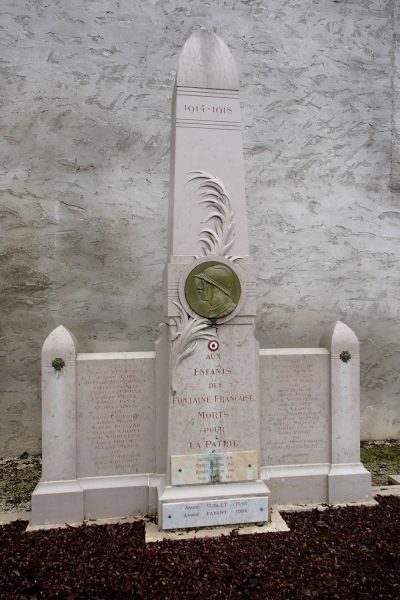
[184, 340]
[218, 238]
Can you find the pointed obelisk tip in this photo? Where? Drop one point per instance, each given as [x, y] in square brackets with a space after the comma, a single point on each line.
[206, 62]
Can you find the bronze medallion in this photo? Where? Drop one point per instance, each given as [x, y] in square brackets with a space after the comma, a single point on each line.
[212, 290]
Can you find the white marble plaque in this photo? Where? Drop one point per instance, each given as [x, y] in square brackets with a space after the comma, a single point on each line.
[206, 513]
[116, 413]
[214, 467]
[295, 406]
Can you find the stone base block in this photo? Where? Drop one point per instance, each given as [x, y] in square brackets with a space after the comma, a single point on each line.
[213, 505]
[297, 484]
[276, 524]
[57, 502]
[349, 483]
[394, 479]
[117, 496]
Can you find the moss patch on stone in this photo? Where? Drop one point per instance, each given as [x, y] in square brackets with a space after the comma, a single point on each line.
[382, 459]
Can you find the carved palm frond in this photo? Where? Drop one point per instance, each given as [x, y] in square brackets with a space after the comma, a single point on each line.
[184, 340]
[219, 236]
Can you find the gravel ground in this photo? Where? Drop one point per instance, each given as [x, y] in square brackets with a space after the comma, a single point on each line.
[329, 554]
[18, 478]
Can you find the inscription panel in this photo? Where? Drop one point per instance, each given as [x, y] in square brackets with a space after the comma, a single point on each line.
[295, 407]
[116, 414]
[215, 407]
[206, 108]
[206, 513]
[213, 467]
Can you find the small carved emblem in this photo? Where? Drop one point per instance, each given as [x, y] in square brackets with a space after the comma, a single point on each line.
[58, 364]
[213, 345]
[345, 356]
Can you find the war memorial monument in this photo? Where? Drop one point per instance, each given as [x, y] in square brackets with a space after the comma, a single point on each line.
[208, 429]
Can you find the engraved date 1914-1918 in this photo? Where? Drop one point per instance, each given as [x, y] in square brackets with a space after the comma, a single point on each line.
[218, 110]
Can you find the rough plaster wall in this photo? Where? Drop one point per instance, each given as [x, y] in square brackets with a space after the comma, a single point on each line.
[85, 95]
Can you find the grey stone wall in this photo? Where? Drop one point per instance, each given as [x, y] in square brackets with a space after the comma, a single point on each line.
[85, 98]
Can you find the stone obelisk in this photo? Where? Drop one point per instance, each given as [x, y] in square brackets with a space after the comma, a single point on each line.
[211, 456]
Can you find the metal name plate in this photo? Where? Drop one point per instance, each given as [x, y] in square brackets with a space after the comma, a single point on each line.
[206, 513]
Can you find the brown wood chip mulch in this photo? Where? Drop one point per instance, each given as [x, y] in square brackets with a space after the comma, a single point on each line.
[346, 553]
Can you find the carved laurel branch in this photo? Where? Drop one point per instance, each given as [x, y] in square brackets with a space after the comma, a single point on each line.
[218, 238]
[184, 340]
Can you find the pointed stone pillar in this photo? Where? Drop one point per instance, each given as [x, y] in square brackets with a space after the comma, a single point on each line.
[58, 497]
[205, 136]
[212, 450]
[348, 480]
